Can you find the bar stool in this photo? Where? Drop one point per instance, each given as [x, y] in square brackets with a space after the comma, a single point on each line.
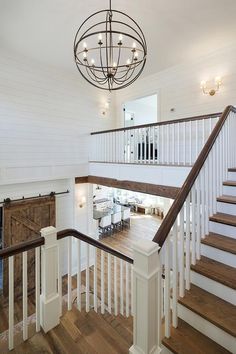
[126, 217]
[116, 221]
[105, 225]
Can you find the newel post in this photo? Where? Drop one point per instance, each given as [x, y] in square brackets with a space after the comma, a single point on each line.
[146, 297]
[49, 298]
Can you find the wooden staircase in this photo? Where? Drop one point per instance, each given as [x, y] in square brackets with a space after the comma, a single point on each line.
[207, 312]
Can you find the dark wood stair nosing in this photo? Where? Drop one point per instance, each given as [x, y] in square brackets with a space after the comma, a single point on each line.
[207, 318]
[230, 283]
[218, 246]
[219, 218]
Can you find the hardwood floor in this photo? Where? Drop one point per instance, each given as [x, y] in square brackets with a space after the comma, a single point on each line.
[142, 227]
[82, 333]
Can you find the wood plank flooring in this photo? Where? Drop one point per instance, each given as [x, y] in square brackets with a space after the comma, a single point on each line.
[142, 227]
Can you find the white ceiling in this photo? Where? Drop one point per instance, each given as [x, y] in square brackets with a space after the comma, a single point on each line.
[176, 30]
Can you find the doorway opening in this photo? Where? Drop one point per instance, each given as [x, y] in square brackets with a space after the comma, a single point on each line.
[141, 111]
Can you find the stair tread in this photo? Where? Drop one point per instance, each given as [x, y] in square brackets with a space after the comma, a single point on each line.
[186, 339]
[224, 219]
[229, 183]
[215, 310]
[217, 271]
[224, 243]
[227, 199]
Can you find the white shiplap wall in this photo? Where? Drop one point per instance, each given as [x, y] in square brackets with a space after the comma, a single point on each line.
[46, 116]
[179, 87]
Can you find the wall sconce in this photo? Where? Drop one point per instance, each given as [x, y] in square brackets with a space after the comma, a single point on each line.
[212, 91]
[105, 108]
[82, 202]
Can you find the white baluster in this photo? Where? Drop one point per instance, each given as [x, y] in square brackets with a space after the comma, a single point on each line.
[193, 244]
[167, 288]
[25, 296]
[197, 139]
[181, 254]
[167, 143]
[132, 289]
[102, 284]
[121, 288]
[59, 275]
[175, 276]
[87, 279]
[188, 254]
[37, 287]
[109, 282]
[69, 280]
[79, 275]
[115, 287]
[178, 143]
[95, 300]
[127, 289]
[198, 213]
[11, 303]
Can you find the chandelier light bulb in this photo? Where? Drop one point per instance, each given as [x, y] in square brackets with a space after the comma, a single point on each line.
[203, 84]
[128, 62]
[92, 61]
[120, 37]
[100, 37]
[85, 45]
[85, 55]
[134, 45]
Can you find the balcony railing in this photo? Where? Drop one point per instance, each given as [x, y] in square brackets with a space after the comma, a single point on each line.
[176, 142]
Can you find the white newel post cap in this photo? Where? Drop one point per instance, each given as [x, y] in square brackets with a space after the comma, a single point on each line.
[146, 259]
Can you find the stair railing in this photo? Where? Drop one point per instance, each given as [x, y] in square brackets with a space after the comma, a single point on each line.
[102, 274]
[187, 222]
[175, 142]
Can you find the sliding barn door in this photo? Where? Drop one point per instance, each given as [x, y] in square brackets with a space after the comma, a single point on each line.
[22, 221]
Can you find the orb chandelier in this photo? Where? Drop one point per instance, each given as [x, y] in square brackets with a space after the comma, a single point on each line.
[110, 49]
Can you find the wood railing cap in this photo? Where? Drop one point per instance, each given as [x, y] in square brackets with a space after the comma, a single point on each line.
[166, 122]
[93, 242]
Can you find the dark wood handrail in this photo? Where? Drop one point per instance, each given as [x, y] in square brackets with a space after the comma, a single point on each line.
[173, 212]
[28, 245]
[166, 122]
[93, 242]
[21, 247]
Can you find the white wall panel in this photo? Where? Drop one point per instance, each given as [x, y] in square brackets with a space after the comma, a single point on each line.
[179, 87]
[46, 116]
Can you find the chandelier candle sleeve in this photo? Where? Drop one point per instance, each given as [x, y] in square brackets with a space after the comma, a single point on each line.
[110, 49]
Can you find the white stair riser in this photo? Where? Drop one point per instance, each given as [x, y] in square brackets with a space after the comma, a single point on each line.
[226, 208]
[232, 176]
[207, 328]
[229, 190]
[213, 287]
[218, 255]
[222, 229]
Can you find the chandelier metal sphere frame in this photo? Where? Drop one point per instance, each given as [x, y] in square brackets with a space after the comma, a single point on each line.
[110, 49]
